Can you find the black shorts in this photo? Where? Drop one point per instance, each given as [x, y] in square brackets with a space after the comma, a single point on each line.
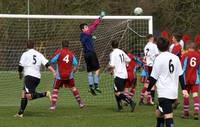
[165, 105]
[92, 62]
[119, 84]
[30, 83]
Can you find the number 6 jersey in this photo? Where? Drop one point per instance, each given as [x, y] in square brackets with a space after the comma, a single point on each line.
[166, 70]
[32, 60]
[191, 66]
[65, 61]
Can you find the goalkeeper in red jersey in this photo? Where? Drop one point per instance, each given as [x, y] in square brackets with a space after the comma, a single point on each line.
[90, 56]
[132, 77]
[66, 65]
[191, 67]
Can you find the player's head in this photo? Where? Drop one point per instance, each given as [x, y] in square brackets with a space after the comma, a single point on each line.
[114, 44]
[65, 44]
[163, 44]
[176, 37]
[150, 37]
[30, 44]
[83, 27]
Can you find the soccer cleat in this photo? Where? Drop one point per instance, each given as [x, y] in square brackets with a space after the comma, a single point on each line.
[119, 109]
[98, 90]
[196, 116]
[185, 115]
[81, 105]
[52, 108]
[18, 115]
[132, 104]
[48, 94]
[92, 92]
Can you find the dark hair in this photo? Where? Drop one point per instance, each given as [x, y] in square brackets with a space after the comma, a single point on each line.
[65, 44]
[163, 44]
[114, 44]
[149, 36]
[178, 36]
[82, 26]
[30, 44]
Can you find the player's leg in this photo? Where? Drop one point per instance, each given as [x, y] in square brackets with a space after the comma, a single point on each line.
[117, 93]
[23, 105]
[165, 106]
[132, 91]
[56, 87]
[91, 83]
[120, 84]
[88, 60]
[143, 79]
[160, 119]
[195, 90]
[70, 83]
[186, 104]
[96, 81]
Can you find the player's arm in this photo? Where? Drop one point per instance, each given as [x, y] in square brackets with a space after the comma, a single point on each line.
[75, 64]
[20, 66]
[181, 79]
[47, 65]
[138, 61]
[126, 58]
[111, 64]
[92, 27]
[55, 57]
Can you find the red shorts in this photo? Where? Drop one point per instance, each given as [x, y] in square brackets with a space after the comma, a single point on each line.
[66, 83]
[130, 83]
[192, 88]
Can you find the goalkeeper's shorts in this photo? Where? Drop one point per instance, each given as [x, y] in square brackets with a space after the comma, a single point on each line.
[91, 61]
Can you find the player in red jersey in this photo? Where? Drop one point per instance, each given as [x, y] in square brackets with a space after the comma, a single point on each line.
[191, 67]
[176, 47]
[132, 77]
[66, 65]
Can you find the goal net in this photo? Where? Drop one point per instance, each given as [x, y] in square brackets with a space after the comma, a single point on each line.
[48, 31]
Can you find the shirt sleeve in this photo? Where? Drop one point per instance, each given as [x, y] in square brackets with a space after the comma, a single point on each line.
[44, 60]
[22, 60]
[112, 60]
[92, 27]
[74, 62]
[155, 70]
[179, 67]
[126, 58]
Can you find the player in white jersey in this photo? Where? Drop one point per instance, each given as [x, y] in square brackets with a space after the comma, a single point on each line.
[30, 63]
[150, 52]
[166, 73]
[117, 67]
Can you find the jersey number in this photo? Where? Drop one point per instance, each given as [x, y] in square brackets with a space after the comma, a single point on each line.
[147, 51]
[171, 66]
[34, 59]
[66, 59]
[121, 57]
[193, 62]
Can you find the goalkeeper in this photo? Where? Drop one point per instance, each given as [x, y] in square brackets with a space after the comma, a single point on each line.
[90, 56]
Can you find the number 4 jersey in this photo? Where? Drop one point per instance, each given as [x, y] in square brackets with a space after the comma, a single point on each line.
[32, 60]
[191, 66]
[166, 70]
[65, 61]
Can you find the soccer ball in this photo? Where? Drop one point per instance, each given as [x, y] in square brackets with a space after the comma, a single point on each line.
[138, 11]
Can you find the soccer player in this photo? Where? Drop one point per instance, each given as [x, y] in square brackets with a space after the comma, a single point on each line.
[90, 56]
[66, 65]
[191, 67]
[30, 63]
[117, 67]
[176, 47]
[166, 73]
[132, 77]
[150, 52]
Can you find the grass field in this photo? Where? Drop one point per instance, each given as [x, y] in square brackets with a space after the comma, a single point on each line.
[99, 110]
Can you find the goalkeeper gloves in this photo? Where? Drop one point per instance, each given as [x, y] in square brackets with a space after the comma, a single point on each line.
[94, 37]
[102, 15]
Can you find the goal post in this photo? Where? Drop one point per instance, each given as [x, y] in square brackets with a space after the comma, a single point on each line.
[49, 30]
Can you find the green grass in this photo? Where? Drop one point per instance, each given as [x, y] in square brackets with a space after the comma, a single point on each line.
[99, 110]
